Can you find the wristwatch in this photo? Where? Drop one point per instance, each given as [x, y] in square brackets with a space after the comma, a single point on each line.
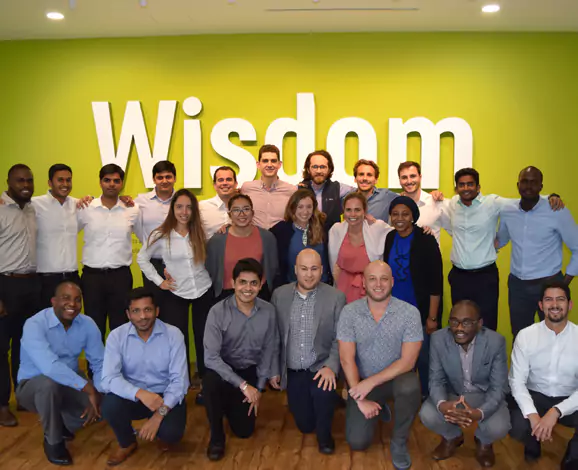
[163, 410]
[244, 386]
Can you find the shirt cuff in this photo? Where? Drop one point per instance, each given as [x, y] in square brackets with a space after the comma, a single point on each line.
[564, 408]
[481, 411]
[439, 403]
[131, 393]
[261, 383]
[528, 410]
[170, 400]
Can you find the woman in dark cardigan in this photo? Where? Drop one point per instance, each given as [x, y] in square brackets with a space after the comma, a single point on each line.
[303, 227]
[416, 263]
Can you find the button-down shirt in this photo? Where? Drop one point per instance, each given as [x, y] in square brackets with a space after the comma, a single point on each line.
[268, 203]
[473, 229]
[378, 203]
[215, 214]
[545, 362]
[192, 278]
[300, 351]
[56, 242]
[379, 344]
[430, 213]
[158, 365]
[107, 234]
[466, 359]
[537, 237]
[17, 237]
[49, 349]
[234, 340]
[153, 212]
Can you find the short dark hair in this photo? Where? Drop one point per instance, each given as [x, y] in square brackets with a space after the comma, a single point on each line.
[269, 148]
[110, 169]
[555, 285]
[468, 303]
[468, 172]
[139, 293]
[323, 153]
[69, 282]
[239, 196]
[58, 167]
[409, 164]
[248, 265]
[224, 168]
[370, 163]
[164, 165]
[18, 166]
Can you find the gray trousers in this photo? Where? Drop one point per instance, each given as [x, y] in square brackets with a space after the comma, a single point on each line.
[490, 429]
[57, 405]
[405, 391]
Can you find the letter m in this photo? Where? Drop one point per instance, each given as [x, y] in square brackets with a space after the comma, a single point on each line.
[134, 129]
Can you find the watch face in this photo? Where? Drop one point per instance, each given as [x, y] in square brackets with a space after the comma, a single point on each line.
[163, 410]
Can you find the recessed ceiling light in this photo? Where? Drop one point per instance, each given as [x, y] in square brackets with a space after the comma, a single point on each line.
[54, 15]
[491, 8]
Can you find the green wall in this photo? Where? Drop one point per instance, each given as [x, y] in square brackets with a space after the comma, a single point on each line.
[517, 91]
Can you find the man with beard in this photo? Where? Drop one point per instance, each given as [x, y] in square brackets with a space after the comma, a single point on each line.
[240, 346]
[468, 384]
[19, 286]
[379, 342]
[307, 315]
[269, 194]
[49, 380]
[108, 224]
[544, 377]
[537, 234]
[145, 375]
[214, 211]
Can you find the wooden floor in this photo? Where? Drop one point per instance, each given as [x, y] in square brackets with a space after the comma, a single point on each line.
[277, 444]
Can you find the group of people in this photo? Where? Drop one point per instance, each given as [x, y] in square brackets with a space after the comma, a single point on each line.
[299, 288]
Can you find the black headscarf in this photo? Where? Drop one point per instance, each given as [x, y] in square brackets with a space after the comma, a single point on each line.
[408, 202]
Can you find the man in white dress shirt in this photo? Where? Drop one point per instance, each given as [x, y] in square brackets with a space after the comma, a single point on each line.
[107, 254]
[544, 377]
[214, 211]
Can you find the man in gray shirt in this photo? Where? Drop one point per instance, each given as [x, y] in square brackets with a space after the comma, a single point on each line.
[468, 383]
[240, 344]
[379, 341]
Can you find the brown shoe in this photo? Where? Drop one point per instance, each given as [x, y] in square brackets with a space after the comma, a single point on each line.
[485, 454]
[7, 418]
[163, 446]
[121, 454]
[447, 448]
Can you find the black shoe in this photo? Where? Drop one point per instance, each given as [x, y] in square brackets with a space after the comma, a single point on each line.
[67, 435]
[568, 463]
[199, 400]
[532, 452]
[215, 452]
[327, 448]
[57, 454]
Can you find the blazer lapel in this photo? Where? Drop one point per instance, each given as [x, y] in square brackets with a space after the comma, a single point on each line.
[317, 311]
[454, 363]
[479, 353]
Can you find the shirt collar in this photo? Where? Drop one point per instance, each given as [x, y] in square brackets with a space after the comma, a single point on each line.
[375, 192]
[54, 200]
[97, 202]
[153, 195]
[563, 332]
[253, 311]
[538, 204]
[424, 198]
[309, 294]
[470, 346]
[158, 329]
[54, 322]
[9, 201]
[476, 202]
[217, 201]
[273, 186]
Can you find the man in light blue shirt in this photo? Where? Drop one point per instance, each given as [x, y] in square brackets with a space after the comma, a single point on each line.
[145, 375]
[537, 234]
[49, 379]
[366, 173]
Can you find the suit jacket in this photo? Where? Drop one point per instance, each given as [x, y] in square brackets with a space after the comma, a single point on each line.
[328, 305]
[489, 368]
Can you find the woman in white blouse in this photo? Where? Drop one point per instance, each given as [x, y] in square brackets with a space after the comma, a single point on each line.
[180, 242]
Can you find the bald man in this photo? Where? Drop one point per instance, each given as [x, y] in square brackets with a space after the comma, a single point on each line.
[307, 315]
[537, 234]
[380, 338]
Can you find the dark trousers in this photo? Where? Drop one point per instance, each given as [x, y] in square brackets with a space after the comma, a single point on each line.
[119, 413]
[523, 298]
[105, 295]
[50, 281]
[482, 287]
[20, 298]
[175, 311]
[422, 364]
[311, 406]
[225, 400]
[522, 431]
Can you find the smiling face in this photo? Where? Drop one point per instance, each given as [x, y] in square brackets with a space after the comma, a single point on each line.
[378, 281]
[143, 313]
[111, 185]
[365, 178]
[225, 183]
[353, 212]
[183, 210]
[165, 182]
[241, 213]
[319, 169]
[308, 269]
[555, 305]
[247, 287]
[61, 184]
[21, 185]
[67, 302]
[269, 164]
[465, 322]
[467, 188]
[303, 211]
[410, 180]
[402, 219]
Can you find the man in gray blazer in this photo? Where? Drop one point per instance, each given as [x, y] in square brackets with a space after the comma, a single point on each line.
[468, 383]
[307, 315]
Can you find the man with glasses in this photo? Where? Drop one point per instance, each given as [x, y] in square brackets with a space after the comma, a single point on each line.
[241, 240]
[214, 211]
[468, 383]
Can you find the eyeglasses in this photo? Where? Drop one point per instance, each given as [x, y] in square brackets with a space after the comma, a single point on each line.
[467, 323]
[319, 167]
[241, 210]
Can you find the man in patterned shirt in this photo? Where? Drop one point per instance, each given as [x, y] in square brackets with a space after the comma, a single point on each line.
[379, 342]
[308, 363]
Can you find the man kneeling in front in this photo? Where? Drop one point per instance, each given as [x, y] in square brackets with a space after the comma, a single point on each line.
[145, 374]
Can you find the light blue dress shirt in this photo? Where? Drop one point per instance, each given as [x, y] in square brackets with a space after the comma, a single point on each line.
[378, 203]
[153, 212]
[158, 365]
[48, 349]
[537, 237]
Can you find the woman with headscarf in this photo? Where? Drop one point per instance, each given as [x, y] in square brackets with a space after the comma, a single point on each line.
[416, 263]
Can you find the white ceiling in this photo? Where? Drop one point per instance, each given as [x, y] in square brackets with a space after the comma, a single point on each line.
[25, 19]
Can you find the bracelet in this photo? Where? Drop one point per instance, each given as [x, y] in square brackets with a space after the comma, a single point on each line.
[244, 386]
